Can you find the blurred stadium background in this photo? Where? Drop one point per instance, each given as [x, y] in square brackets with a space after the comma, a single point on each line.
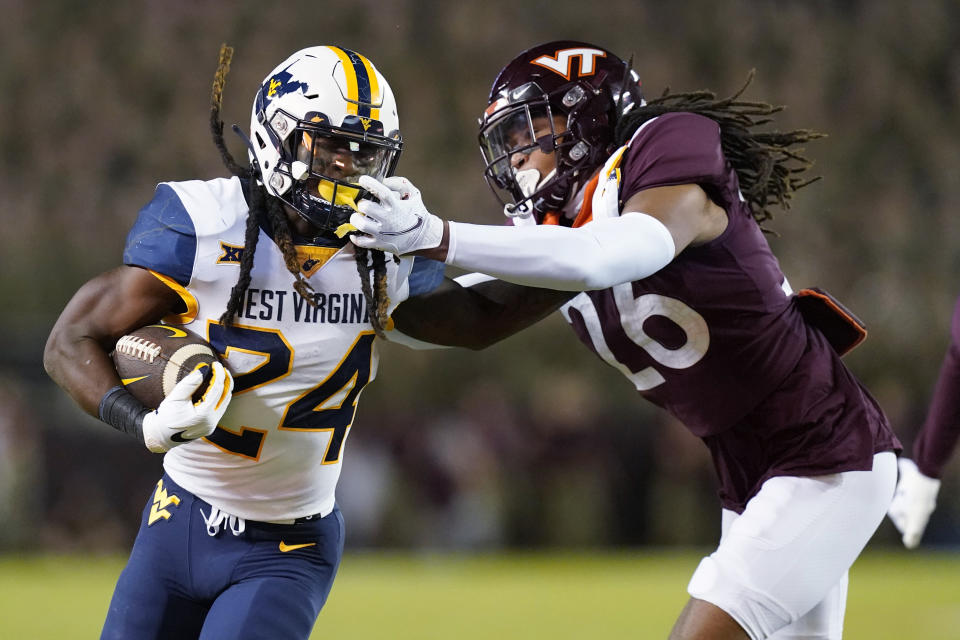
[532, 444]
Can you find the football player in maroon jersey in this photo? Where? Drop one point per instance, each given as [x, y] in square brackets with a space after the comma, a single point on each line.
[916, 494]
[651, 213]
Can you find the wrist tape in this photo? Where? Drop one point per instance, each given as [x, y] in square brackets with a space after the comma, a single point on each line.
[119, 409]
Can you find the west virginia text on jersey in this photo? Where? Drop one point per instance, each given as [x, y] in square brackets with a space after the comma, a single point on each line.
[298, 368]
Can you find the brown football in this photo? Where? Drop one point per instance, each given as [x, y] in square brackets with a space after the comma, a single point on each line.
[152, 359]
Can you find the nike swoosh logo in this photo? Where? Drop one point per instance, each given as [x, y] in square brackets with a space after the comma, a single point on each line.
[400, 233]
[174, 332]
[284, 547]
[126, 381]
[178, 437]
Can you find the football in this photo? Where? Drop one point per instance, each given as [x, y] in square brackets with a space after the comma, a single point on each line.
[151, 360]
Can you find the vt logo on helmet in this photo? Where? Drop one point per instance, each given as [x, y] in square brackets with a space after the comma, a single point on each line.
[562, 61]
[320, 120]
[587, 86]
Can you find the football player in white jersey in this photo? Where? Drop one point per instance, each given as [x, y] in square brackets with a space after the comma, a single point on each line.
[241, 537]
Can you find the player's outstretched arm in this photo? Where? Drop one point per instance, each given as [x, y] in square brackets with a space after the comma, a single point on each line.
[655, 225]
[476, 316]
[913, 501]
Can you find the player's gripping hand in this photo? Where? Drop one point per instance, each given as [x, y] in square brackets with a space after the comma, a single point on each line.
[913, 502]
[399, 223]
[178, 419]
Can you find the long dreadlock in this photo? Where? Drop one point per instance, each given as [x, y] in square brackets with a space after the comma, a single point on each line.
[766, 164]
[264, 207]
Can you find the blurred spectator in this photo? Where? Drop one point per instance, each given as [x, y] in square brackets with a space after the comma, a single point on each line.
[365, 487]
[21, 469]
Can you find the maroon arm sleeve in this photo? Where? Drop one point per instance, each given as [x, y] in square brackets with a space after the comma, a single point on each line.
[938, 438]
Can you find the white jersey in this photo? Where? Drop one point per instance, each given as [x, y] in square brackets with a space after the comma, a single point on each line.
[298, 369]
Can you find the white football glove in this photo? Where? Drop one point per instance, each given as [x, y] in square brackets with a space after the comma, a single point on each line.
[913, 502]
[399, 223]
[178, 419]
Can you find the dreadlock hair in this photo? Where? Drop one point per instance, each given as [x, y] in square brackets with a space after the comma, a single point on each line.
[375, 262]
[767, 165]
[269, 209]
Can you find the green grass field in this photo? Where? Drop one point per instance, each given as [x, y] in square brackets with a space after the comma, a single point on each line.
[895, 596]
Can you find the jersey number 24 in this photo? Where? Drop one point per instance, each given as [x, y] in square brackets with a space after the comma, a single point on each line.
[306, 412]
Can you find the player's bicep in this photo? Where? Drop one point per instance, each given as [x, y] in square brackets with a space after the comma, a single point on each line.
[685, 210]
[116, 302]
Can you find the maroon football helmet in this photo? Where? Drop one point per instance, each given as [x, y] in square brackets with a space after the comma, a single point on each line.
[591, 86]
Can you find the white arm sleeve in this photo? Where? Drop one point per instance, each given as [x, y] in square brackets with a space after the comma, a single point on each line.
[600, 254]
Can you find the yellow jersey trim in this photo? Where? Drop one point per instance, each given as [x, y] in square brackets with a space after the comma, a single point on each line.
[188, 299]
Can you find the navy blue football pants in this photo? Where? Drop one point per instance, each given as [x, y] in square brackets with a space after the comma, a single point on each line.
[180, 583]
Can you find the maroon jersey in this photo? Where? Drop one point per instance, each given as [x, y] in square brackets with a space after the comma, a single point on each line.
[715, 338]
[938, 437]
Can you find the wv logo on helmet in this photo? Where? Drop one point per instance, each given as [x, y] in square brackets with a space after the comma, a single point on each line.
[282, 84]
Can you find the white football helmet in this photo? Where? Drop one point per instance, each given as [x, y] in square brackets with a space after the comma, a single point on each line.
[321, 119]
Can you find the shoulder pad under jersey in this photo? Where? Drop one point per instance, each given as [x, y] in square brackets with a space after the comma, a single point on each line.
[164, 236]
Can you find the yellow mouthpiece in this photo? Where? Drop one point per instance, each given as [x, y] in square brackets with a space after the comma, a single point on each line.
[346, 196]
